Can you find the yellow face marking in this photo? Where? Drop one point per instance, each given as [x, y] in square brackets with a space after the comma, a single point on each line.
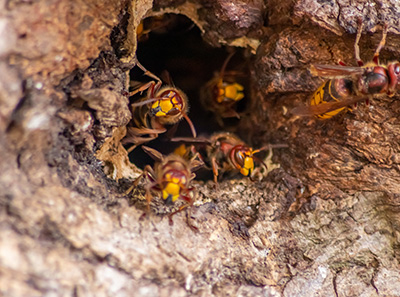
[173, 190]
[234, 91]
[166, 105]
[248, 165]
[173, 187]
[230, 91]
[174, 100]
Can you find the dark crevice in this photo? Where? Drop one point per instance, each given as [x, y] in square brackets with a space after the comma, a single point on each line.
[174, 47]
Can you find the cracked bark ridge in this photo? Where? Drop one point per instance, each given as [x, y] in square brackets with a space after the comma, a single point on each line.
[160, 4]
[227, 20]
[282, 62]
[341, 16]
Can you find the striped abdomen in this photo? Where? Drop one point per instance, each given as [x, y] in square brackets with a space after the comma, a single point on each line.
[332, 90]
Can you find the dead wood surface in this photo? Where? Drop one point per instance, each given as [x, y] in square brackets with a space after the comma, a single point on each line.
[326, 223]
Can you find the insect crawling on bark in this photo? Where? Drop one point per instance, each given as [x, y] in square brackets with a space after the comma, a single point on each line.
[163, 105]
[348, 85]
[226, 152]
[170, 178]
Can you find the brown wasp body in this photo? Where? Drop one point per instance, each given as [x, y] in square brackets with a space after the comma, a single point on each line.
[170, 178]
[349, 85]
[221, 94]
[162, 106]
[226, 152]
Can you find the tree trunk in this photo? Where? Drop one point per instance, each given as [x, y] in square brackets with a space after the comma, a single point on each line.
[324, 220]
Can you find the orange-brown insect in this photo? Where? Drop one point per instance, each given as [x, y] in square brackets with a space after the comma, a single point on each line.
[349, 85]
[221, 94]
[227, 152]
[170, 178]
[162, 106]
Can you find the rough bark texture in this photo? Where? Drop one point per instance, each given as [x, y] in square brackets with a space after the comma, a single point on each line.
[325, 223]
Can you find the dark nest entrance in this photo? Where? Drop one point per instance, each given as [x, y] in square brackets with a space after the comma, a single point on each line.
[171, 47]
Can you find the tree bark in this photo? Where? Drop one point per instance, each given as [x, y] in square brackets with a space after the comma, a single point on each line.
[324, 221]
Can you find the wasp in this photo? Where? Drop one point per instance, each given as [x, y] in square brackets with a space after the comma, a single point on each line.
[170, 178]
[221, 94]
[349, 85]
[163, 105]
[228, 153]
